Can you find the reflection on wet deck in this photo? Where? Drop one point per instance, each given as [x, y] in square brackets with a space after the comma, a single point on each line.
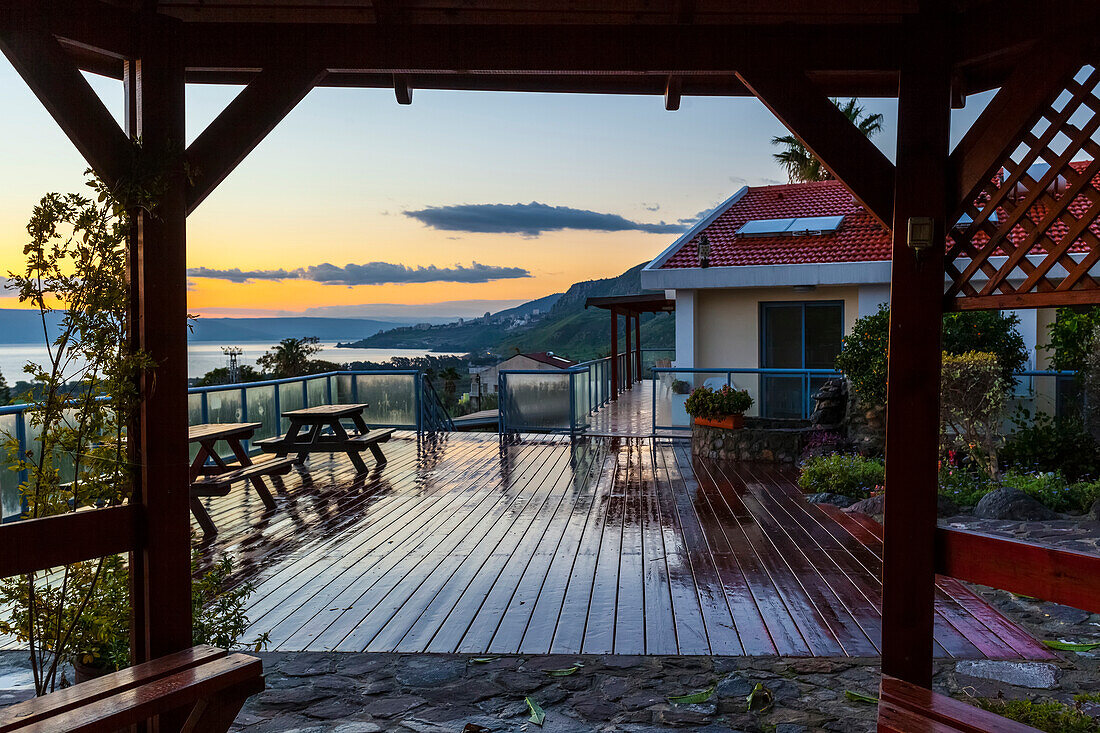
[610, 545]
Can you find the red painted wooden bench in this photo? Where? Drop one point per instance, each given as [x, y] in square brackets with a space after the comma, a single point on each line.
[909, 708]
[206, 685]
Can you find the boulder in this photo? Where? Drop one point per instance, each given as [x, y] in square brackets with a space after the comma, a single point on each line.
[1094, 513]
[875, 506]
[825, 497]
[1010, 503]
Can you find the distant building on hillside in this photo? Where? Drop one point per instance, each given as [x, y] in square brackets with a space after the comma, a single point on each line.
[485, 378]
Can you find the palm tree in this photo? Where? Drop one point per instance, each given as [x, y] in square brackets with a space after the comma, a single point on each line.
[290, 357]
[801, 165]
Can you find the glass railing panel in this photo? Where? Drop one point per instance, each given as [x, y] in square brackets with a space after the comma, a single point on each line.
[290, 398]
[342, 390]
[391, 398]
[317, 391]
[11, 501]
[261, 409]
[224, 406]
[194, 409]
[537, 402]
[580, 400]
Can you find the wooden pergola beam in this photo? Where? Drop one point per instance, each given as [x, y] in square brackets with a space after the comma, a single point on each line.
[1034, 84]
[67, 96]
[589, 49]
[243, 124]
[844, 151]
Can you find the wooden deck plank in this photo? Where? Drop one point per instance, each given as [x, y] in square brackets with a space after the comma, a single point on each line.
[516, 619]
[547, 609]
[691, 631]
[764, 623]
[722, 632]
[473, 554]
[389, 528]
[599, 627]
[660, 616]
[339, 616]
[401, 572]
[621, 544]
[465, 591]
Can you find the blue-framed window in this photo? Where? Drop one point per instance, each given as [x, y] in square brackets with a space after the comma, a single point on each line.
[797, 335]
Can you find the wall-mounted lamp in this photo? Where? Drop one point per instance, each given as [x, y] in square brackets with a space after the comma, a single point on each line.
[920, 235]
[704, 251]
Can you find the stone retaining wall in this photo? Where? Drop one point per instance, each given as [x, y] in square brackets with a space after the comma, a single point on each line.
[762, 439]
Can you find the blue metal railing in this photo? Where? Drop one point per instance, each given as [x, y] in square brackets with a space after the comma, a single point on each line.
[435, 418]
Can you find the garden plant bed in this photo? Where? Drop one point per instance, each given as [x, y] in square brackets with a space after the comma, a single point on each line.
[766, 440]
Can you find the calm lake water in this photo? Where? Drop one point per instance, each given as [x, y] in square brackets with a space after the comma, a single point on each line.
[203, 356]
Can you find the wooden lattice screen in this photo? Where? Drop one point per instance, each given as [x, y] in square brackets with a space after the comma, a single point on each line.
[1030, 236]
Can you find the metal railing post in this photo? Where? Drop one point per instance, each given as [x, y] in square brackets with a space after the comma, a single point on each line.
[355, 388]
[418, 396]
[205, 408]
[305, 392]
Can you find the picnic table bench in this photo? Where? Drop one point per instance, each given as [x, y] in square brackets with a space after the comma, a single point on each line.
[319, 430]
[210, 475]
[206, 685]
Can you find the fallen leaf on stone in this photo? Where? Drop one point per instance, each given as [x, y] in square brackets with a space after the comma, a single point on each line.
[859, 697]
[1065, 646]
[475, 728]
[537, 714]
[483, 660]
[564, 672]
[692, 697]
[760, 700]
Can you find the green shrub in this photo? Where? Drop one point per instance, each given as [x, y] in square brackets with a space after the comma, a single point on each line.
[1054, 491]
[964, 486]
[1047, 715]
[1071, 336]
[846, 474]
[1049, 444]
[713, 404]
[972, 401]
[863, 356]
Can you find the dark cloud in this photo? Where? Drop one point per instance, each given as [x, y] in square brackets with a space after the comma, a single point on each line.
[371, 273]
[530, 219]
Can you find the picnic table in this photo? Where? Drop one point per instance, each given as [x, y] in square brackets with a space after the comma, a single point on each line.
[319, 430]
[211, 475]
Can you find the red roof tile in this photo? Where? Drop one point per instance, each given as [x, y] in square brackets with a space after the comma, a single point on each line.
[859, 239]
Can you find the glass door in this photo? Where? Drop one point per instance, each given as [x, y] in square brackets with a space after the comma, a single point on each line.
[802, 335]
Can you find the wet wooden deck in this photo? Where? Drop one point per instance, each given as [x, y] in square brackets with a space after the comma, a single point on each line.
[612, 545]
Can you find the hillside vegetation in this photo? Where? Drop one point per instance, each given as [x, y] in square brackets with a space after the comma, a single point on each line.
[567, 329]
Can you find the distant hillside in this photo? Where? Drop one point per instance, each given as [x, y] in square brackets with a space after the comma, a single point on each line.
[567, 328]
[231, 330]
[19, 326]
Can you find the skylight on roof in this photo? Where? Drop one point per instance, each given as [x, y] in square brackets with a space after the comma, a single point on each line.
[790, 227]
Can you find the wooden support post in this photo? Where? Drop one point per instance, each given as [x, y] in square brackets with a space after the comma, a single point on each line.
[162, 588]
[913, 394]
[638, 343]
[629, 381]
[614, 353]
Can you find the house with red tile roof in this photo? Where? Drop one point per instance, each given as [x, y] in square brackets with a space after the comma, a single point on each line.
[486, 381]
[774, 277]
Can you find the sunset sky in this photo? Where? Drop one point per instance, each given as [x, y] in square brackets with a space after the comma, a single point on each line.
[466, 201]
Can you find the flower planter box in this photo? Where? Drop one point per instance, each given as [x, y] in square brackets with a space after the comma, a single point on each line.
[729, 422]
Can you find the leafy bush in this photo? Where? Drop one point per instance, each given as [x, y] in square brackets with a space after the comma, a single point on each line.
[713, 404]
[218, 610]
[1054, 491]
[680, 386]
[1047, 715]
[972, 401]
[964, 486]
[1052, 444]
[846, 474]
[863, 355]
[990, 332]
[1071, 336]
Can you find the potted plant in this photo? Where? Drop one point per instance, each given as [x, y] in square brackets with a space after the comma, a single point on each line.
[723, 408]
